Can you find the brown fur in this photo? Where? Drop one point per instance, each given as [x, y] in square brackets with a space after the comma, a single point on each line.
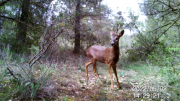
[110, 56]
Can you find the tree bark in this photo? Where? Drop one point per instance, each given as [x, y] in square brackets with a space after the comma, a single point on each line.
[22, 28]
[77, 28]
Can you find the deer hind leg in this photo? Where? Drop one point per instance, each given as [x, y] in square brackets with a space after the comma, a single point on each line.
[95, 70]
[86, 65]
[115, 72]
[110, 72]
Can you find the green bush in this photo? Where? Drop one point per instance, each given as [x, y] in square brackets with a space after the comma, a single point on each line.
[164, 56]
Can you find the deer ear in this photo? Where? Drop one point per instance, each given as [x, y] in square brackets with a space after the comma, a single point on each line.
[121, 33]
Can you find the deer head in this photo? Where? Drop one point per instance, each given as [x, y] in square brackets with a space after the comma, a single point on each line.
[115, 37]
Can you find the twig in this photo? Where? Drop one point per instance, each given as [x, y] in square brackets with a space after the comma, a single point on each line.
[24, 71]
[11, 72]
[161, 27]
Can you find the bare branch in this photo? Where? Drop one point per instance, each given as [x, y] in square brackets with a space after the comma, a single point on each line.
[10, 18]
[11, 72]
[87, 14]
[43, 50]
[161, 27]
[164, 32]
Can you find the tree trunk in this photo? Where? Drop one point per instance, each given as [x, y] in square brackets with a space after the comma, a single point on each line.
[22, 27]
[0, 25]
[77, 28]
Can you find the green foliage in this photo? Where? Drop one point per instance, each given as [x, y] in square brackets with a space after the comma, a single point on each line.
[171, 75]
[149, 75]
[165, 56]
[7, 36]
[168, 59]
[11, 18]
[23, 82]
[160, 32]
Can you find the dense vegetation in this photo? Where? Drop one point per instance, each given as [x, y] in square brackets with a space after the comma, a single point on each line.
[42, 46]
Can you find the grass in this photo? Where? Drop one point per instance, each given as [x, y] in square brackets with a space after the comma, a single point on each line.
[157, 81]
[23, 83]
[66, 80]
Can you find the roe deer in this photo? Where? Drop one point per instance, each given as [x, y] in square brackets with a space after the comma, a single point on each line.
[109, 56]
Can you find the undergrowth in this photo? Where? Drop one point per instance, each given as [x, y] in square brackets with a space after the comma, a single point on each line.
[18, 81]
[140, 80]
[158, 77]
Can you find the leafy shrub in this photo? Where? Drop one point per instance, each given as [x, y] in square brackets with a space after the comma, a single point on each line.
[136, 54]
[171, 76]
[164, 56]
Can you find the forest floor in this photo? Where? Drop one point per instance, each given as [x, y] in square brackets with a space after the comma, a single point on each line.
[66, 80]
[69, 83]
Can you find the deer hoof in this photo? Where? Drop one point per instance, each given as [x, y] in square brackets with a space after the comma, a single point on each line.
[120, 87]
[87, 82]
[112, 87]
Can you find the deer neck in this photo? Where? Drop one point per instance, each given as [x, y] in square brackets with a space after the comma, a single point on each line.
[115, 51]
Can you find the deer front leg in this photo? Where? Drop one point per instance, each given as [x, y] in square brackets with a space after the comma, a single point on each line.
[86, 65]
[95, 71]
[110, 72]
[115, 72]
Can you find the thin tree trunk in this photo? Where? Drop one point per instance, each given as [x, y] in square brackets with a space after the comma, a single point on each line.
[1, 26]
[77, 28]
[22, 28]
